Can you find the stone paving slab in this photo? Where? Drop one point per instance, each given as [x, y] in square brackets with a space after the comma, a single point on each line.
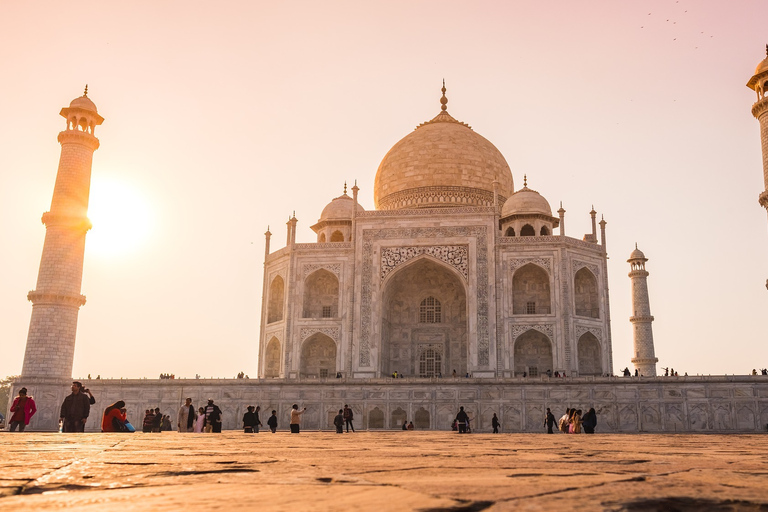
[401, 471]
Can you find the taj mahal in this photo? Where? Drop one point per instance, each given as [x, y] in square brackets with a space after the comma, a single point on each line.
[470, 291]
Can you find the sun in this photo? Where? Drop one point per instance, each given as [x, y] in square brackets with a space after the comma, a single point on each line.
[121, 218]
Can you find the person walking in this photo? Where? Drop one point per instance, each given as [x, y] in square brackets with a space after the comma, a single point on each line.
[338, 421]
[272, 422]
[23, 408]
[576, 422]
[562, 424]
[348, 417]
[212, 417]
[258, 421]
[187, 417]
[200, 421]
[549, 421]
[249, 420]
[495, 424]
[589, 421]
[462, 420]
[296, 418]
[75, 409]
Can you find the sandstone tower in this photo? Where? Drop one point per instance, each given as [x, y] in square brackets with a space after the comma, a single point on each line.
[759, 83]
[645, 358]
[56, 299]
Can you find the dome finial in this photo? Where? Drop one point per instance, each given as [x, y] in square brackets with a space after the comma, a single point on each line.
[86, 91]
[525, 180]
[635, 245]
[345, 187]
[443, 100]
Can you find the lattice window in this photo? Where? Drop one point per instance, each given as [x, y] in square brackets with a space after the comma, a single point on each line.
[323, 373]
[530, 308]
[326, 311]
[533, 371]
[430, 311]
[430, 363]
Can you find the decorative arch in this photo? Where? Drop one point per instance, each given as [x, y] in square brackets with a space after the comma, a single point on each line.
[272, 359]
[585, 294]
[510, 231]
[321, 238]
[544, 231]
[430, 361]
[590, 355]
[532, 354]
[318, 356]
[376, 418]
[421, 419]
[404, 336]
[531, 291]
[276, 300]
[397, 418]
[337, 236]
[321, 295]
[527, 230]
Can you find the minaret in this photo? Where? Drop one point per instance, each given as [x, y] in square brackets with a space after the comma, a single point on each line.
[759, 84]
[56, 300]
[645, 357]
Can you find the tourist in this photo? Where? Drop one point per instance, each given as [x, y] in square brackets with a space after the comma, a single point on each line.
[212, 417]
[296, 418]
[166, 425]
[576, 422]
[410, 425]
[562, 424]
[338, 421]
[75, 409]
[495, 424]
[157, 421]
[258, 420]
[589, 421]
[405, 425]
[549, 421]
[462, 419]
[348, 417]
[626, 372]
[272, 422]
[187, 417]
[113, 419]
[149, 419]
[454, 374]
[249, 420]
[23, 408]
[200, 421]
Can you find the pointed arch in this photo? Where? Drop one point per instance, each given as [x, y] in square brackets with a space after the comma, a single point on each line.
[544, 231]
[337, 236]
[321, 295]
[272, 359]
[590, 355]
[585, 294]
[318, 356]
[276, 300]
[527, 230]
[532, 354]
[531, 291]
[321, 238]
[510, 231]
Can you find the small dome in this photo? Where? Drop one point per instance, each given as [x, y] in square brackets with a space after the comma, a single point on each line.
[340, 208]
[526, 201]
[83, 102]
[637, 254]
[762, 67]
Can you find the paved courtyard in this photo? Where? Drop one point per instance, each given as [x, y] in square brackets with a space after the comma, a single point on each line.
[396, 471]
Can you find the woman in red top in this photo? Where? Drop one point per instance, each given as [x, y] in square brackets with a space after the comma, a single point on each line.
[23, 409]
[111, 414]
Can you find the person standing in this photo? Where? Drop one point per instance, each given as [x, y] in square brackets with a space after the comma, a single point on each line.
[549, 421]
[272, 422]
[576, 422]
[249, 420]
[296, 418]
[187, 417]
[149, 419]
[589, 421]
[75, 409]
[495, 423]
[157, 420]
[338, 421]
[462, 420]
[23, 408]
[212, 417]
[348, 417]
[200, 421]
[258, 420]
[562, 424]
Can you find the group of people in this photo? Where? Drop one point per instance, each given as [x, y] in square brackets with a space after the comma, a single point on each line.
[345, 417]
[572, 422]
[763, 371]
[167, 376]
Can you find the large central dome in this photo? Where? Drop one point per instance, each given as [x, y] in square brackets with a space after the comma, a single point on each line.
[443, 163]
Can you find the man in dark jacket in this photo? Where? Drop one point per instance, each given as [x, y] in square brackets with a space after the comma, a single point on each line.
[348, 417]
[463, 420]
[549, 421]
[339, 422]
[75, 410]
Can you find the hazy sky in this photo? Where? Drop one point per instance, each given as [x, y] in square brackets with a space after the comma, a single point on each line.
[223, 118]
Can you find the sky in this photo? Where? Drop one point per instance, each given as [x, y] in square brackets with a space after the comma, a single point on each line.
[223, 118]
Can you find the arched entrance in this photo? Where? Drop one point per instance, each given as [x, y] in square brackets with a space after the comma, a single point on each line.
[533, 354]
[424, 321]
[272, 359]
[318, 356]
[590, 355]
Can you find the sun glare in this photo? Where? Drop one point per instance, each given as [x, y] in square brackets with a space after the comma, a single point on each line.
[120, 216]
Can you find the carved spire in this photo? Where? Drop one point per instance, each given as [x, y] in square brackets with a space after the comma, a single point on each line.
[345, 188]
[443, 100]
[525, 180]
[85, 93]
